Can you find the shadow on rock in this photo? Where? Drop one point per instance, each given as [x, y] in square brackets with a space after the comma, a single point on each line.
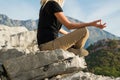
[9, 54]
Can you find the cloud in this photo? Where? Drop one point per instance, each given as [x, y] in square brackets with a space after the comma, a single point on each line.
[73, 9]
[106, 9]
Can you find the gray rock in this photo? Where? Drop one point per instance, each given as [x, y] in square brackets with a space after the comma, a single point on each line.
[63, 67]
[6, 54]
[83, 76]
[43, 64]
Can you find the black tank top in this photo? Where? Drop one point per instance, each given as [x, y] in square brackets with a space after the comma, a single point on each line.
[48, 25]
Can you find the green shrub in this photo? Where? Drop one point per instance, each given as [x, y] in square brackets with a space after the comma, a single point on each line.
[104, 61]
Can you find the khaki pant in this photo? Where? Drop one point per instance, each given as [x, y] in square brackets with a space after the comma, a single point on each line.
[76, 38]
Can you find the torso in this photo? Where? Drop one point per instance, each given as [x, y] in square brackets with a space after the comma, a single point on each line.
[48, 25]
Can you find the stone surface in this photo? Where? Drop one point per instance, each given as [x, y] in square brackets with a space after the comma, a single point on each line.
[82, 76]
[17, 37]
[58, 61]
[6, 34]
[6, 54]
[47, 65]
[62, 67]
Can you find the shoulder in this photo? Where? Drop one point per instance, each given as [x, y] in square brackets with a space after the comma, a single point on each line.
[53, 7]
[52, 3]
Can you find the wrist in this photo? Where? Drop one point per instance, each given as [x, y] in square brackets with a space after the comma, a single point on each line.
[88, 24]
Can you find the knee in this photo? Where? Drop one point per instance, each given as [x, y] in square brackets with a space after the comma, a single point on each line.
[85, 32]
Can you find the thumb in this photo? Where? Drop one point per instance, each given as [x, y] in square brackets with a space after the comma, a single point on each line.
[97, 21]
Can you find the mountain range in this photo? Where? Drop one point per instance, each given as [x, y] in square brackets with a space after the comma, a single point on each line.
[95, 33]
[29, 24]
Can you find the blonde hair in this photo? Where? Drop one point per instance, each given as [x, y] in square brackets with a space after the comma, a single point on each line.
[60, 2]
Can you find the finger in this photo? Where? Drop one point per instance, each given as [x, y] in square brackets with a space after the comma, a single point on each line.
[98, 20]
[104, 24]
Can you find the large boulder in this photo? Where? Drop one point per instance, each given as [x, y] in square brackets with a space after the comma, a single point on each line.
[43, 64]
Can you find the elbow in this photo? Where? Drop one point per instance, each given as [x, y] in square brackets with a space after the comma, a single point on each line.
[68, 26]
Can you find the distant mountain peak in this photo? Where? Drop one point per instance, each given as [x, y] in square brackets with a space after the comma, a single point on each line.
[3, 16]
[29, 24]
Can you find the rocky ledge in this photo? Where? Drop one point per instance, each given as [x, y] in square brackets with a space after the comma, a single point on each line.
[45, 65]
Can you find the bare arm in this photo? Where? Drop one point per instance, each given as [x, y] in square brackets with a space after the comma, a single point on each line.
[62, 31]
[70, 25]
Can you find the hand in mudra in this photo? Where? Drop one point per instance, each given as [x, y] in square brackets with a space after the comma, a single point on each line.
[98, 24]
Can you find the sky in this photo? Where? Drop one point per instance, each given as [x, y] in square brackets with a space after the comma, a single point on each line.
[83, 10]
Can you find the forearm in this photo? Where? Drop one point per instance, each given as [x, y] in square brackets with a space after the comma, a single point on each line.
[78, 25]
[63, 31]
